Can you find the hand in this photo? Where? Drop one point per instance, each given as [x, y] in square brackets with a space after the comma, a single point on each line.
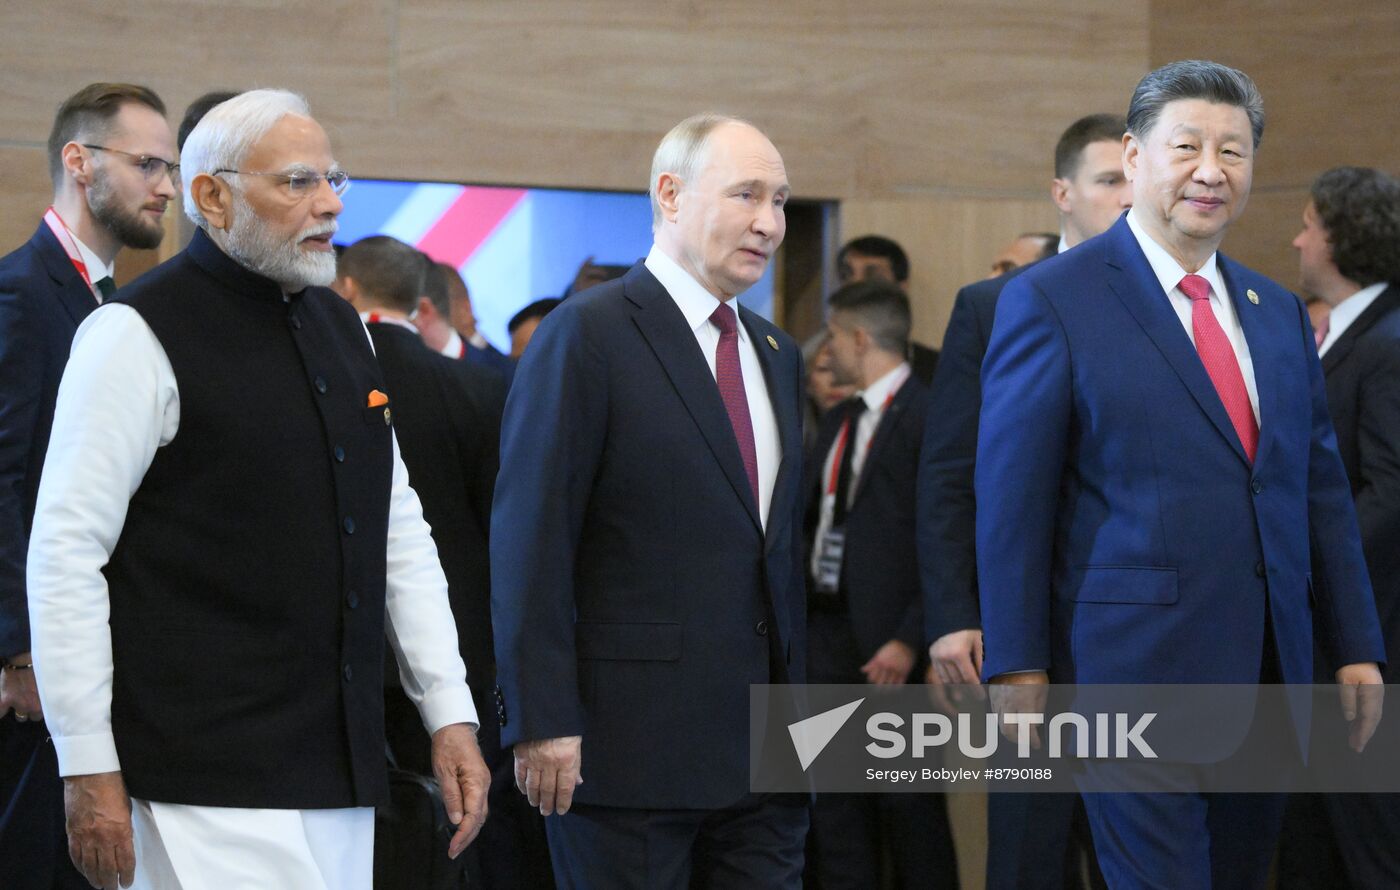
[1363, 694]
[890, 665]
[464, 779]
[99, 829]
[19, 692]
[1021, 693]
[548, 770]
[955, 659]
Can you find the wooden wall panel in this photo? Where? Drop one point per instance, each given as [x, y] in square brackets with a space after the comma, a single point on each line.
[950, 242]
[1330, 77]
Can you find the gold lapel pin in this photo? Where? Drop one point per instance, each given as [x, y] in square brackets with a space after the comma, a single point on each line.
[1253, 297]
[772, 342]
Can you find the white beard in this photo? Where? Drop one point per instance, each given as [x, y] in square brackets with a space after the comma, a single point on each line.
[256, 248]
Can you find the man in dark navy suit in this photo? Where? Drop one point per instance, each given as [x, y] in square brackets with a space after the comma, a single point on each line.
[1090, 191]
[865, 615]
[877, 258]
[111, 154]
[472, 346]
[645, 541]
[1154, 460]
[1349, 258]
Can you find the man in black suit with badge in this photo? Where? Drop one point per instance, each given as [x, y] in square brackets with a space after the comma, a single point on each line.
[865, 614]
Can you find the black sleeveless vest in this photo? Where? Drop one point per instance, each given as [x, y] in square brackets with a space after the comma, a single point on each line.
[247, 587]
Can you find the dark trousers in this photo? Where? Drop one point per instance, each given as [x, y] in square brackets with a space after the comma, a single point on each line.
[1039, 842]
[757, 842]
[871, 840]
[33, 843]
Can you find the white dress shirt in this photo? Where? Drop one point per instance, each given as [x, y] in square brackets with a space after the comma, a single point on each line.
[697, 305]
[454, 347]
[1347, 311]
[1169, 273]
[117, 404]
[877, 397]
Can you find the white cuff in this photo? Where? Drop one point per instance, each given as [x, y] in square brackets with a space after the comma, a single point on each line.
[84, 755]
[447, 706]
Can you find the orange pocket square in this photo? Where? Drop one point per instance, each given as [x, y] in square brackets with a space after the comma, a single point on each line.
[377, 398]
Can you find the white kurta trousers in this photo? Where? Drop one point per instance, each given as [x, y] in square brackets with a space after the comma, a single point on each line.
[182, 847]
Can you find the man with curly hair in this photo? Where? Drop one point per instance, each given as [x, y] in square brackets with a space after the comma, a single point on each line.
[1349, 257]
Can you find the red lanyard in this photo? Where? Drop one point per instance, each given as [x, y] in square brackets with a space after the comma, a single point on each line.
[845, 436]
[70, 246]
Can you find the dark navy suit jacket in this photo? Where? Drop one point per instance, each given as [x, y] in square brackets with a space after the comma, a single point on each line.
[1122, 534]
[635, 595]
[947, 513]
[1363, 394]
[879, 568]
[42, 301]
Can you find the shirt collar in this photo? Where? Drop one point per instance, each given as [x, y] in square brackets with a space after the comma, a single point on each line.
[1063, 246]
[695, 303]
[1168, 271]
[376, 318]
[885, 387]
[453, 348]
[97, 270]
[1348, 310]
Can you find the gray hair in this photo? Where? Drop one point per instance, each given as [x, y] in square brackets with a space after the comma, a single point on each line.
[223, 137]
[682, 152]
[1194, 79]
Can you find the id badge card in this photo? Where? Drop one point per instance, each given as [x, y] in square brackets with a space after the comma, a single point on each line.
[831, 550]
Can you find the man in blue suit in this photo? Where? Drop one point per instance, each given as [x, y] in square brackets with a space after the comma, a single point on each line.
[1030, 834]
[1154, 460]
[111, 154]
[645, 541]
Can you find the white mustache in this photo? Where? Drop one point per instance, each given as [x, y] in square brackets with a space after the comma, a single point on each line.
[326, 228]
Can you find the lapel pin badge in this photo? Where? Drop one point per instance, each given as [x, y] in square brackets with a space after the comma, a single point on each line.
[1253, 297]
[772, 341]
[388, 417]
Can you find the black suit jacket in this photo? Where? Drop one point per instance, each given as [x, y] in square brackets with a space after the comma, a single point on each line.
[42, 301]
[879, 571]
[447, 418]
[635, 595]
[947, 514]
[1363, 395]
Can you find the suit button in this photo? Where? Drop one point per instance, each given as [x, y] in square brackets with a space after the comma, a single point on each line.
[761, 628]
[1259, 569]
[321, 385]
[339, 454]
[1256, 486]
[349, 525]
[352, 599]
[347, 673]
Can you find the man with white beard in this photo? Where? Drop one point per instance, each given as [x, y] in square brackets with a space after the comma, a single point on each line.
[224, 534]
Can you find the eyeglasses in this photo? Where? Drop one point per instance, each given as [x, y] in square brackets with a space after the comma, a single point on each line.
[150, 166]
[303, 183]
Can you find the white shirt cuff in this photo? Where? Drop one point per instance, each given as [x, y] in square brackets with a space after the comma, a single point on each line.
[445, 707]
[84, 755]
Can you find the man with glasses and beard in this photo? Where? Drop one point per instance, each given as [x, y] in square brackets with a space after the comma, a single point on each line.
[111, 156]
[224, 535]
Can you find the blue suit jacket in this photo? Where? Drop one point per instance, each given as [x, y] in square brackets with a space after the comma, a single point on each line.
[634, 594]
[42, 301]
[1122, 535]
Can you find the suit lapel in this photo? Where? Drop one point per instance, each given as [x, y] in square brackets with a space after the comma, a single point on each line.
[884, 431]
[1132, 279]
[73, 292]
[1263, 351]
[663, 325]
[789, 426]
[1388, 301]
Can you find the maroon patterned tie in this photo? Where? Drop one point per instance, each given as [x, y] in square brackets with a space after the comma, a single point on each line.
[730, 377]
[1221, 364]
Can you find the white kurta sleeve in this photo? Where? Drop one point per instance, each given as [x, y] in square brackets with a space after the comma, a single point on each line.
[117, 403]
[419, 618]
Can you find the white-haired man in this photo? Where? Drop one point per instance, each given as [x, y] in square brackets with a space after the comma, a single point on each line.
[224, 532]
[645, 561]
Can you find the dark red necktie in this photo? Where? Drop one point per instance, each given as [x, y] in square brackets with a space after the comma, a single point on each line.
[730, 377]
[1221, 364]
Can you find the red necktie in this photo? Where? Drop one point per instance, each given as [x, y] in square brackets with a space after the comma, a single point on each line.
[1320, 334]
[730, 377]
[1219, 358]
